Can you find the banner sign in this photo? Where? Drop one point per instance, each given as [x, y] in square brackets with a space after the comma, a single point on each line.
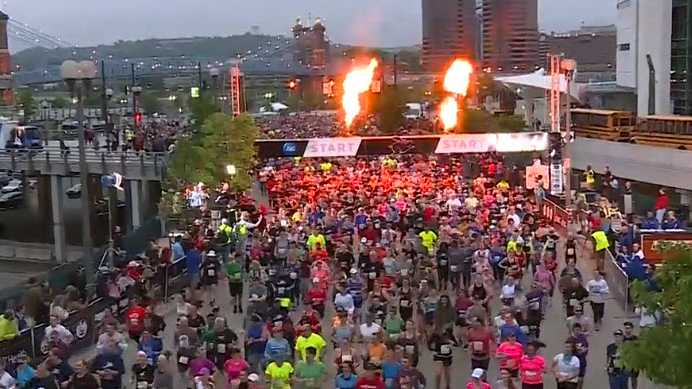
[415, 144]
[469, 143]
[332, 147]
[650, 243]
[533, 172]
[555, 214]
[556, 179]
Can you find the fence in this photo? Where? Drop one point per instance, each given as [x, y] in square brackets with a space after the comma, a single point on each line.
[85, 324]
[618, 282]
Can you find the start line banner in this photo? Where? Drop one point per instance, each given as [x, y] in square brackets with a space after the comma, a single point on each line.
[386, 145]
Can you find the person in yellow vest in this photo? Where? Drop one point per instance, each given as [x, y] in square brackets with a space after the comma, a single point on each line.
[428, 240]
[225, 234]
[601, 244]
[590, 177]
[314, 238]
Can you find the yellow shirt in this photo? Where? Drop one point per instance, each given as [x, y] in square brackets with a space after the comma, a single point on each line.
[314, 340]
[314, 239]
[280, 377]
[428, 239]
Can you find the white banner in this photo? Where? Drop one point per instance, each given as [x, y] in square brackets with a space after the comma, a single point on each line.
[332, 147]
[556, 179]
[521, 141]
[466, 143]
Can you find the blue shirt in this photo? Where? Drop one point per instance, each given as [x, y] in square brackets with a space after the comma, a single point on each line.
[25, 375]
[650, 224]
[277, 349]
[341, 382]
[507, 329]
[193, 261]
[390, 369]
[178, 251]
[670, 224]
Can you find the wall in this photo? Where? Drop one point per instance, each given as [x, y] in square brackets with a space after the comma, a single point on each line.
[627, 35]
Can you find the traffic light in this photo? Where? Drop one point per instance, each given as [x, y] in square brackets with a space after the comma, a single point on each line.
[138, 119]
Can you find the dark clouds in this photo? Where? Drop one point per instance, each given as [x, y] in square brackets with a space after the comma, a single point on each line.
[373, 22]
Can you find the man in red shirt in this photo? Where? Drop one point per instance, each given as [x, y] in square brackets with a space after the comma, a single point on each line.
[480, 343]
[316, 296]
[135, 319]
[370, 379]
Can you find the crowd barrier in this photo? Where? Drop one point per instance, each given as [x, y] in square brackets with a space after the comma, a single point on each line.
[86, 323]
[617, 279]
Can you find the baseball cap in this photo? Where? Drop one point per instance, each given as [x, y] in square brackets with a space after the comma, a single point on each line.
[477, 373]
[253, 377]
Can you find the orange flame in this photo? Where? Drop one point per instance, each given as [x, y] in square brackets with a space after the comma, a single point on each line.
[357, 81]
[448, 112]
[458, 77]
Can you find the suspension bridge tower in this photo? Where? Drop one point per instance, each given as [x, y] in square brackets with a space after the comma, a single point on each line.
[6, 91]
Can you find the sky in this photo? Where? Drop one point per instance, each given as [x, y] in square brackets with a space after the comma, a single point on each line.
[383, 23]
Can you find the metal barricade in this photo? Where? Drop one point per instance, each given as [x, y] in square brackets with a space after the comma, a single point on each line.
[618, 282]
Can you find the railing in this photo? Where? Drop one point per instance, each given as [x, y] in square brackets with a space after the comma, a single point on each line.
[85, 324]
[618, 282]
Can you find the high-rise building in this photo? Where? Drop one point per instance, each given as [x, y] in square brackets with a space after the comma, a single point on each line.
[510, 35]
[645, 37]
[6, 92]
[449, 30]
[681, 57]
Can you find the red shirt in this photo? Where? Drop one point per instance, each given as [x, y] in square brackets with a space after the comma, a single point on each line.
[135, 319]
[317, 295]
[369, 383]
[662, 202]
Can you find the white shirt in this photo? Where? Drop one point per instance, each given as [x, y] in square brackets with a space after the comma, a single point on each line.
[7, 381]
[567, 367]
[369, 332]
[598, 290]
[61, 332]
[646, 319]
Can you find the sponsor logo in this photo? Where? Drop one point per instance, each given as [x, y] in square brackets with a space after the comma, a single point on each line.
[289, 148]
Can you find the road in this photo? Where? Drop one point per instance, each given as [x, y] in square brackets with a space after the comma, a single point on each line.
[554, 333]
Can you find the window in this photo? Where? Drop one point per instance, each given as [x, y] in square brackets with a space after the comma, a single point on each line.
[624, 47]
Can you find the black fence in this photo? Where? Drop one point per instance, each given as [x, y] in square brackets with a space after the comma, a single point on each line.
[85, 324]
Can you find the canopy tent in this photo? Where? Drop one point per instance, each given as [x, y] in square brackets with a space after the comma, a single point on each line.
[540, 80]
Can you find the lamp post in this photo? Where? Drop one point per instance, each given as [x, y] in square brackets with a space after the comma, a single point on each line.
[78, 76]
[568, 66]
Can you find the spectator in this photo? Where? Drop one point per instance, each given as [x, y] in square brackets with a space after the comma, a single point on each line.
[44, 378]
[650, 222]
[35, 302]
[25, 372]
[83, 378]
[8, 326]
[670, 222]
[662, 204]
[6, 380]
[109, 366]
[56, 331]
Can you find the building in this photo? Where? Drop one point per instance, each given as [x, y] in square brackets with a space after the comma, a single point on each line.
[450, 29]
[644, 31]
[6, 92]
[593, 47]
[311, 45]
[510, 35]
[681, 57]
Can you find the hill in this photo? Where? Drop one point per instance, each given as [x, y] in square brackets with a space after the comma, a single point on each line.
[212, 47]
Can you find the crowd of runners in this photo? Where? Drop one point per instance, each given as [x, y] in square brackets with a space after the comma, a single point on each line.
[354, 272]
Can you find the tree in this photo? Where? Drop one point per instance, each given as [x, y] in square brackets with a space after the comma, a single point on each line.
[60, 102]
[390, 108]
[150, 103]
[663, 352]
[25, 101]
[202, 107]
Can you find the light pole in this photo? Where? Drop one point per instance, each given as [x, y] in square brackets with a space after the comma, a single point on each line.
[568, 66]
[78, 76]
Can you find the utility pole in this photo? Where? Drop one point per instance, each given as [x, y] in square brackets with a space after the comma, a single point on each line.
[396, 70]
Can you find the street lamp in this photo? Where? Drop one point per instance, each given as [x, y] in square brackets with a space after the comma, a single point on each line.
[78, 76]
[568, 67]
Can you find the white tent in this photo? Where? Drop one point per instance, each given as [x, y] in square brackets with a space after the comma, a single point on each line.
[540, 80]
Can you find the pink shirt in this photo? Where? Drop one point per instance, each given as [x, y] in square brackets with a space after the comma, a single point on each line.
[483, 385]
[511, 354]
[531, 369]
[234, 367]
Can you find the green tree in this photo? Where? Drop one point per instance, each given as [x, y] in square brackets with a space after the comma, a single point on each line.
[150, 103]
[662, 352]
[25, 101]
[390, 108]
[202, 108]
[230, 141]
[60, 102]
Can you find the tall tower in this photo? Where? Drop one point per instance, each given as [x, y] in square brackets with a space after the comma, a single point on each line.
[449, 30]
[6, 92]
[510, 35]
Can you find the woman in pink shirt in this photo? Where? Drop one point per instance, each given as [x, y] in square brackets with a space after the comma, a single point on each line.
[509, 354]
[234, 367]
[532, 367]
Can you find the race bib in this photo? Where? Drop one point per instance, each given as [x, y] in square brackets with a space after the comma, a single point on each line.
[477, 347]
[445, 349]
[570, 251]
[211, 272]
[530, 373]
[221, 348]
[293, 275]
[410, 349]
[282, 290]
[573, 302]
[443, 262]
[142, 385]
[524, 329]
[372, 275]
[403, 303]
[454, 268]
[404, 272]
[535, 306]
[347, 358]
[183, 360]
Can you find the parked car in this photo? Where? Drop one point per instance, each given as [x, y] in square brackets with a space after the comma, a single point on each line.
[11, 200]
[14, 185]
[74, 192]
